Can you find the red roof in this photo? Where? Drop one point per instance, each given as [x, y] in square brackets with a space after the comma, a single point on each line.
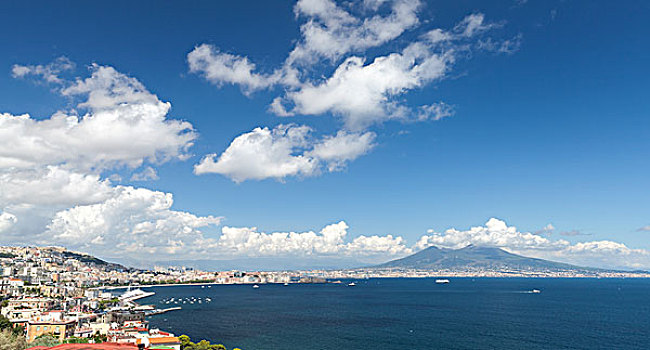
[99, 346]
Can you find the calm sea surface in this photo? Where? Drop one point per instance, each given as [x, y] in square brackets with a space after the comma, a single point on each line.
[481, 313]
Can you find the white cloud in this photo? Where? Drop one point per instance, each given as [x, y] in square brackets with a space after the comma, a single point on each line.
[286, 150]
[330, 241]
[51, 169]
[365, 94]
[496, 233]
[262, 153]
[134, 221]
[126, 125]
[51, 186]
[49, 73]
[7, 220]
[147, 174]
[222, 68]
[644, 229]
[361, 92]
[331, 32]
[343, 147]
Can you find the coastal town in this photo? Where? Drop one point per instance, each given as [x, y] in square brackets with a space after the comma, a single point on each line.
[52, 296]
[58, 296]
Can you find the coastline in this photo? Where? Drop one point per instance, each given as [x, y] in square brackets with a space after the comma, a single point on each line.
[332, 280]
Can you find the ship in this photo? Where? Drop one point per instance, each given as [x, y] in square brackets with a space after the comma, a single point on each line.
[131, 295]
[442, 281]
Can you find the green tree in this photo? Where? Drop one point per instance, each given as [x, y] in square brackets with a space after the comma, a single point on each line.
[9, 341]
[187, 344]
[5, 323]
[45, 340]
[99, 338]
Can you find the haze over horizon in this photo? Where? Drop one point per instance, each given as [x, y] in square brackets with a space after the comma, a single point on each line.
[327, 131]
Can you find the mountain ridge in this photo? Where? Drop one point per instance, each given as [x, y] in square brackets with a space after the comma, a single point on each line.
[474, 257]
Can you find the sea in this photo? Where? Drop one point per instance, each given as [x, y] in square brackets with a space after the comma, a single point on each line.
[404, 313]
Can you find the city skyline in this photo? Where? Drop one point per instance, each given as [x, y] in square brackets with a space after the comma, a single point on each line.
[317, 129]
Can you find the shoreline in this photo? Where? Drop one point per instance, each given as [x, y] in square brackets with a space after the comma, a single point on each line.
[361, 278]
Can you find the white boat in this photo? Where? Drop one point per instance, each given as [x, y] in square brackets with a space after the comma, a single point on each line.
[351, 284]
[535, 291]
[135, 294]
[256, 286]
[442, 281]
[286, 284]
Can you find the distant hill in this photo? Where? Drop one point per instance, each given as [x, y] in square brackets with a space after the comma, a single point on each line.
[87, 259]
[475, 258]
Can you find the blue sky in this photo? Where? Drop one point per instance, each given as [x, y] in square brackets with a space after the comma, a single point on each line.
[553, 130]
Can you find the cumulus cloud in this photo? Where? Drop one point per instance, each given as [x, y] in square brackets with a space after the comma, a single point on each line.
[125, 125]
[329, 241]
[366, 93]
[286, 150]
[262, 153]
[51, 184]
[496, 233]
[343, 147]
[133, 220]
[327, 72]
[363, 94]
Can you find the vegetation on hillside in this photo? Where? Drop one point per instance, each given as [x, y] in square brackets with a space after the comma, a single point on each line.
[11, 338]
[187, 344]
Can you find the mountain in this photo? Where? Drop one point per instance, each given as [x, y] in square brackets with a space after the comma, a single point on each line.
[475, 258]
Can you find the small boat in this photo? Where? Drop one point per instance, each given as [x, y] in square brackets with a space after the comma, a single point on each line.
[256, 286]
[442, 281]
[535, 291]
[351, 284]
[286, 284]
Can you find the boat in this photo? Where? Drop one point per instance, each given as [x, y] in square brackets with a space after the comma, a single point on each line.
[442, 281]
[135, 294]
[144, 308]
[535, 291]
[286, 284]
[351, 284]
[256, 286]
